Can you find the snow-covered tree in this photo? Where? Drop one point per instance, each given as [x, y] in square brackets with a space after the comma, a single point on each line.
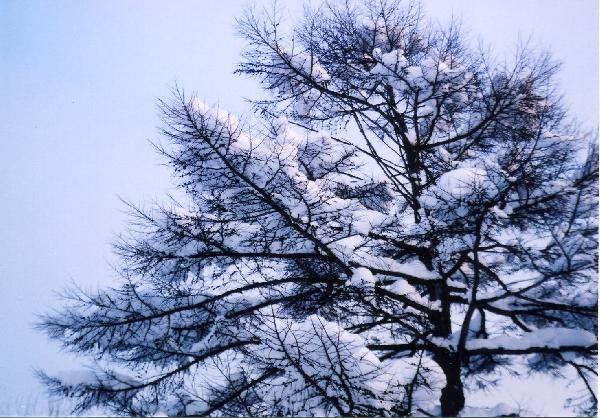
[402, 218]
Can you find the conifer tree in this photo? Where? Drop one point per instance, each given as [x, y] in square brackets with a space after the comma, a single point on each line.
[399, 220]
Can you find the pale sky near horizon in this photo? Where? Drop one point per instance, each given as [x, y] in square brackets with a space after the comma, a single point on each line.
[79, 82]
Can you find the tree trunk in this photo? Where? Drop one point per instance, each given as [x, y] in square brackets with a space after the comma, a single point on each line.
[453, 398]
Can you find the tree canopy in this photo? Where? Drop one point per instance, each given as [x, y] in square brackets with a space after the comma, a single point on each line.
[401, 218]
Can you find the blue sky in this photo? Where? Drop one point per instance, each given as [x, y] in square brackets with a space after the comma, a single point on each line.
[79, 82]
